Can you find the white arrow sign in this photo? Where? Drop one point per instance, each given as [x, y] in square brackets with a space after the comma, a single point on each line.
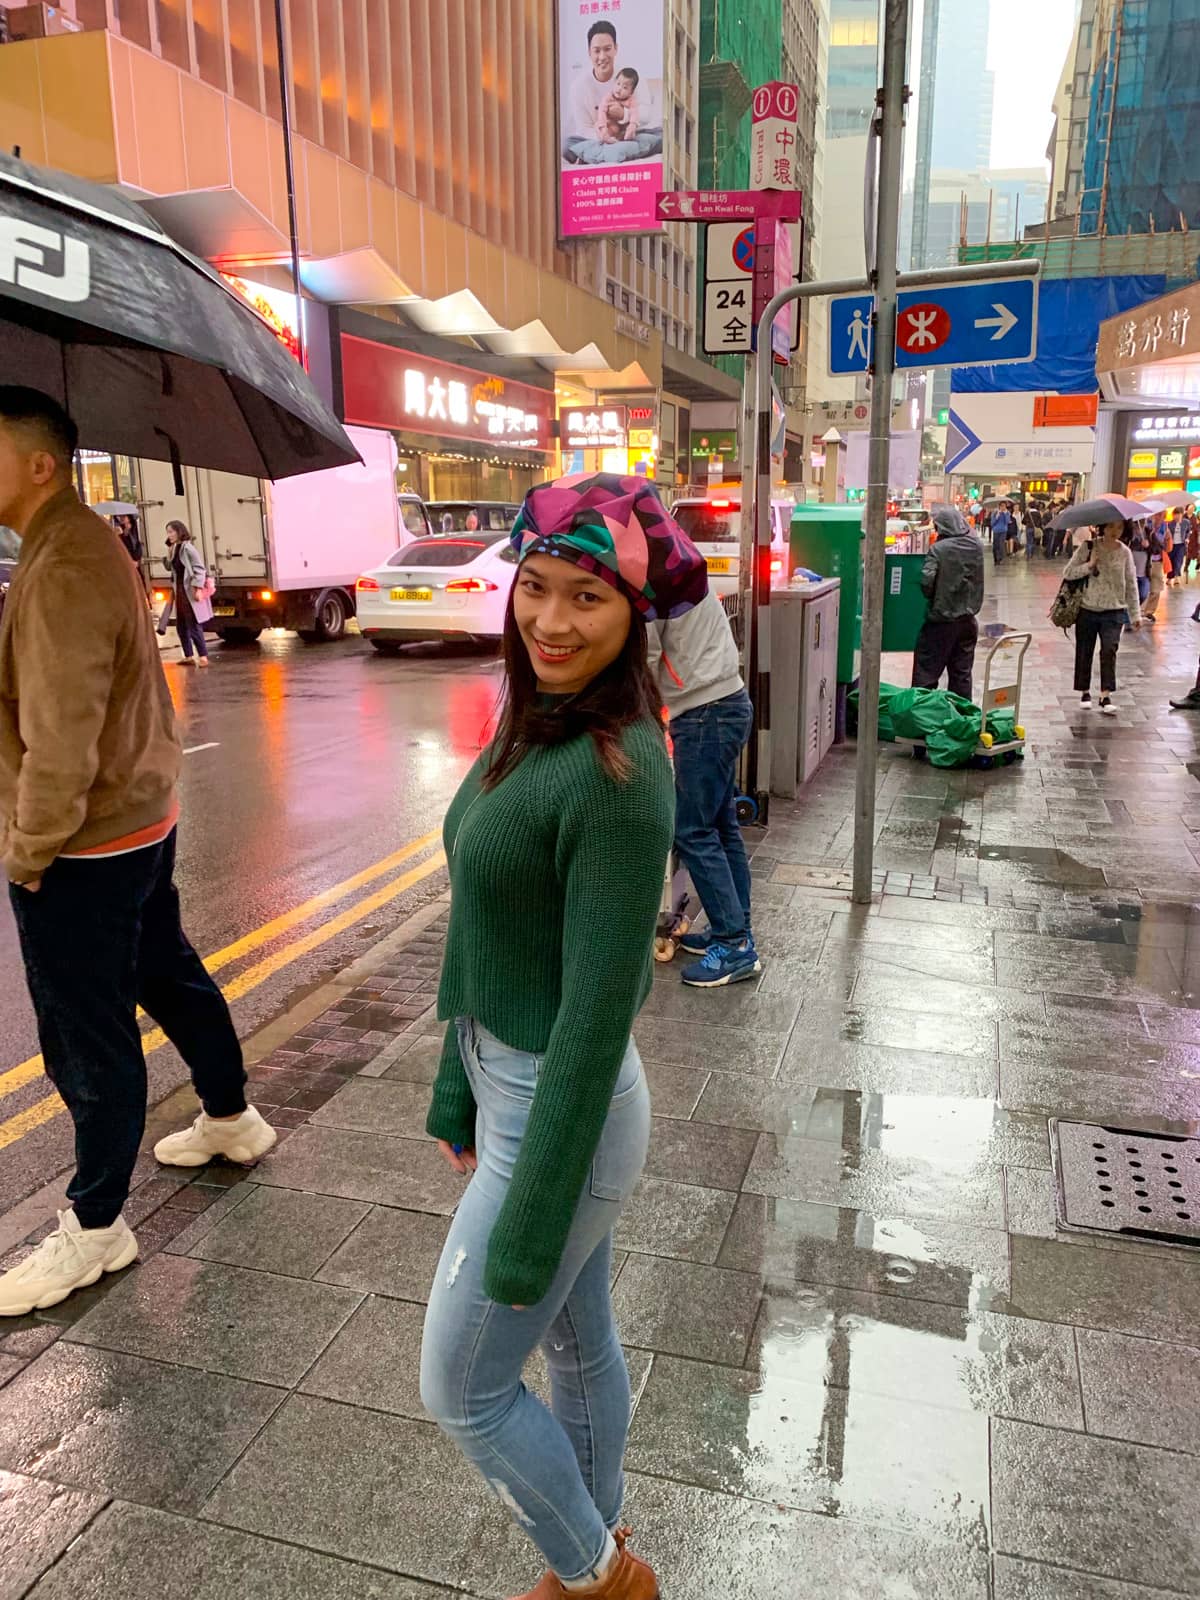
[1003, 323]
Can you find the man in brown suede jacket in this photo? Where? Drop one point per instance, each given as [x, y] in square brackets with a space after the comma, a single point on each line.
[88, 765]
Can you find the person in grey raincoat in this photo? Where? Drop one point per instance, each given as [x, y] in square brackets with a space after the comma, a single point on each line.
[952, 579]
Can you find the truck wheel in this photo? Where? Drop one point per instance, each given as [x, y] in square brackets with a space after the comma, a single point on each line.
[329, 619]
[236, 636]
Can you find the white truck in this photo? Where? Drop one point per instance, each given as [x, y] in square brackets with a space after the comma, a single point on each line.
[286, 554]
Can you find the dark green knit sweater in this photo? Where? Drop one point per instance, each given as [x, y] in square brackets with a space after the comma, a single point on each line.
[557, 876]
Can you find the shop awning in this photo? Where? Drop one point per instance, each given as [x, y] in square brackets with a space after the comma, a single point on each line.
[694, 380]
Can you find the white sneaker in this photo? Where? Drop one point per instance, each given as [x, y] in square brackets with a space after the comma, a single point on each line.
[68, 1259]
[1085, 702]
[1107, 709]
[244, 1140]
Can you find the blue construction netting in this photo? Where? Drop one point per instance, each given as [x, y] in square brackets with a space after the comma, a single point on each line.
[1070, 311]
[1141, 169]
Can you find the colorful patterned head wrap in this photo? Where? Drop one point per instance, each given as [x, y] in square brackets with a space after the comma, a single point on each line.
[620, 530]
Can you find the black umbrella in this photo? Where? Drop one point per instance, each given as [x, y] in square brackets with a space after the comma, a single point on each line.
[1095, 513]
[151, 352]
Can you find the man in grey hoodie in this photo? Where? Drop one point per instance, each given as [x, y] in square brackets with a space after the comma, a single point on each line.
[696, 662]
[952, 579]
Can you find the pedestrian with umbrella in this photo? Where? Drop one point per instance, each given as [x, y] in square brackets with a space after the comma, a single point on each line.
[1109, 595]
[157, 358]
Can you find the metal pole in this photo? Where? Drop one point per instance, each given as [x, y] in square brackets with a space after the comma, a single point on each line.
[891, 137]
[285, 114]
[762, 577]
[746, 438]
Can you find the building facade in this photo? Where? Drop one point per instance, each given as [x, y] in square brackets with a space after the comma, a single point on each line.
[965, 89]
[1143, 120]
[851, 78]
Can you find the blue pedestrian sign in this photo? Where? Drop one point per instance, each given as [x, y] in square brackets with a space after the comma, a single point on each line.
[953, 325]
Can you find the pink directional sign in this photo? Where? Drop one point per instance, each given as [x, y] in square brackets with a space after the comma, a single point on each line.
[728, 205]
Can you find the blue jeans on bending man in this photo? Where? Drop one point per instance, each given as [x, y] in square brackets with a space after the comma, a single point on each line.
[699, 676]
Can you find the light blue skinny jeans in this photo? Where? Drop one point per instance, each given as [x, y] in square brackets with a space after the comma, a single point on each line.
[558, 1472]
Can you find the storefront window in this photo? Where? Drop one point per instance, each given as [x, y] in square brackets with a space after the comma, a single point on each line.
[100, 476]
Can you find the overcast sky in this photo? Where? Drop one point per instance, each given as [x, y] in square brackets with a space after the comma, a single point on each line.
[1026, 50]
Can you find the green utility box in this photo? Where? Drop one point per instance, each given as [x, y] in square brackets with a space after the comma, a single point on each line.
[904, 605]
[829, 540]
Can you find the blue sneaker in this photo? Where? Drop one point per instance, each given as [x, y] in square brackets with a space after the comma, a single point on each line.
[696, 943]
[722, 964]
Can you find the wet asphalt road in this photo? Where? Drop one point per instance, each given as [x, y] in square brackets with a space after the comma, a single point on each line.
[322, 761]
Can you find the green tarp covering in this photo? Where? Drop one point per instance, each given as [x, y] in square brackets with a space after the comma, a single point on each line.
[947, 725]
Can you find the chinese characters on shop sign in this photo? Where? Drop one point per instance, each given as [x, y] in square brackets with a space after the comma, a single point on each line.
[596, 430]
[1143, 337]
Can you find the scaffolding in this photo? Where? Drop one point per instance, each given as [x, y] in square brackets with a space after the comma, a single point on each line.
[1140, 173]
[1079, 255]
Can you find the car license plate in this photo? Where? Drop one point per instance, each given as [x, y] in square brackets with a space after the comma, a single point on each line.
[719, 563]
[224, 611]
[412, 594]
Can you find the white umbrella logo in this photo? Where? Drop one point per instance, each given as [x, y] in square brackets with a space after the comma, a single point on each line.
[24, 252]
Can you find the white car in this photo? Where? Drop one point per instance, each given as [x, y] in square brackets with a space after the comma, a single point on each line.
[446, 586]
[714, 525]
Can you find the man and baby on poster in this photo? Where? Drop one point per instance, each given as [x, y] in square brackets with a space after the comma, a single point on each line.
[606, 120]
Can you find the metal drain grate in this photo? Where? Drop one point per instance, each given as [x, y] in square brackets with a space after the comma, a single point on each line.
[1120, 1180]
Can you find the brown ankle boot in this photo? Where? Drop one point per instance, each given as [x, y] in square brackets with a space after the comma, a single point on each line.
[627, 1579]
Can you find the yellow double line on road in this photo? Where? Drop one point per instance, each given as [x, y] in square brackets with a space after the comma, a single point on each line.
[252, 977]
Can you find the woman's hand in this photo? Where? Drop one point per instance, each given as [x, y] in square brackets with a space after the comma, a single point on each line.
[459, 1159]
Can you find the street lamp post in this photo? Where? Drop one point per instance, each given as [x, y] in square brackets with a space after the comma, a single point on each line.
[890, 123]
[285, 113]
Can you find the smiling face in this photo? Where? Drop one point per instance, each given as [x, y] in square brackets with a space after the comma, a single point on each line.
[603, 53]
[573, 624]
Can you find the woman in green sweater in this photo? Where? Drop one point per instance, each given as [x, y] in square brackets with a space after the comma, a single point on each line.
[557, 843]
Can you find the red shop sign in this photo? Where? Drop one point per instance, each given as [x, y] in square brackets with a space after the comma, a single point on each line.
[383, 387]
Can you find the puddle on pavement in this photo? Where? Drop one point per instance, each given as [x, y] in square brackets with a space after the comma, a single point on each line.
[956, 1133]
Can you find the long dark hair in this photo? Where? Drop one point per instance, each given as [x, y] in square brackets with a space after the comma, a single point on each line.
[623, 694]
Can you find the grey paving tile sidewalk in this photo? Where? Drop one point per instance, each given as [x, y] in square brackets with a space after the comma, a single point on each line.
[867, 1359]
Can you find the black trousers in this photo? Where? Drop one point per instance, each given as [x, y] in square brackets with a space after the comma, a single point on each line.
[946, 647]
[191, 632]
[101, 937]
[1107, 626]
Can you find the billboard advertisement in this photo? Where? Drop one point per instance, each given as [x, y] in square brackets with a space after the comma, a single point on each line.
[611, 91]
